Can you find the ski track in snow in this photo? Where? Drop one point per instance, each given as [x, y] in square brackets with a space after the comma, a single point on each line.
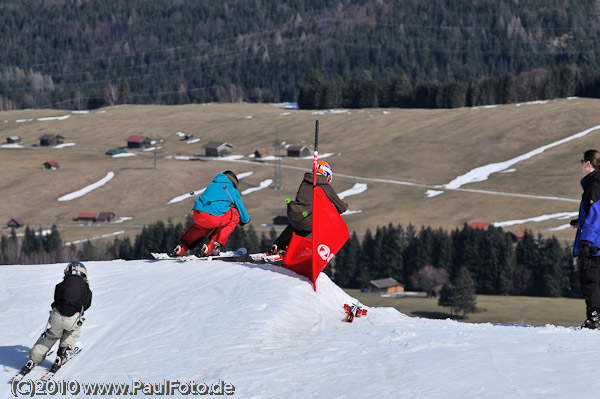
[264, 330]
[483, 172]
[85, 190]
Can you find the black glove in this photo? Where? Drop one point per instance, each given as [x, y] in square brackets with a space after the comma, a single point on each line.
[243, 224]
[574, 223]
[584, 249]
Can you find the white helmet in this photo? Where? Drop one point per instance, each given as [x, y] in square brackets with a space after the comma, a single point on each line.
[76, 269]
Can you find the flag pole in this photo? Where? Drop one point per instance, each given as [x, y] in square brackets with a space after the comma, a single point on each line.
[316, 154]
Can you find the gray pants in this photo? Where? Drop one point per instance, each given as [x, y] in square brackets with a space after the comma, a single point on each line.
[61, 327]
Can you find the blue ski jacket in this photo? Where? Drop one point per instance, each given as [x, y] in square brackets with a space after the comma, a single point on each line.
[219, 197]
[588, 221]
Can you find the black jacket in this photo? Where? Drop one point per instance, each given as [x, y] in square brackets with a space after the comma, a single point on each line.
[72, 295]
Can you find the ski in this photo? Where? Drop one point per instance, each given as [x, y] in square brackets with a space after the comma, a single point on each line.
[21, 374]
[57, 366]
[265, 257]
[225, 255]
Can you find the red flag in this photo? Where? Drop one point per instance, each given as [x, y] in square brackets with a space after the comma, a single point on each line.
[308, 257]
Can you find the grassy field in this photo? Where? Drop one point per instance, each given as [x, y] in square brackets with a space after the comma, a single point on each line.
[425, 147]
[492, 309]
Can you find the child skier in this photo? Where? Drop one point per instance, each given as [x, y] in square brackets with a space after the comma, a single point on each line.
[299, 211]
[72, 297]
[218, 210]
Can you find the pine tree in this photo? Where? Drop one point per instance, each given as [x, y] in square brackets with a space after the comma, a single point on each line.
[463, 292]
[124, 95]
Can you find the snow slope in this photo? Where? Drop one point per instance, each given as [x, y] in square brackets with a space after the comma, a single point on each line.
[264, 330]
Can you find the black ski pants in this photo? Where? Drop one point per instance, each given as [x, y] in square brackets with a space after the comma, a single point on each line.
[589, 280]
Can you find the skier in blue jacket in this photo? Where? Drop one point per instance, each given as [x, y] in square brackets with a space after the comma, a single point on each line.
[587, 239]
[218, 210]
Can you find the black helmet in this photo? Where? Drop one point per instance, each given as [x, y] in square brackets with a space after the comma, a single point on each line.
[77, 269]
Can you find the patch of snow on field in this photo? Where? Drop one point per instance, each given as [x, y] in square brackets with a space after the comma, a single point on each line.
[483, 172]
[433, 193]
[193, 194]
[88, 189]
[263, 184]
[107, 235]
[53, 118]
[358, 188]
[536, 219]
[64, 145]
[11, 145]
[124, 155]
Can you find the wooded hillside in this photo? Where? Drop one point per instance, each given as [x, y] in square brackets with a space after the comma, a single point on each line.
[89, 53]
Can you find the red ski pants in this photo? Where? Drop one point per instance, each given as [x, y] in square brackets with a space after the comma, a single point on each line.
[204, 223]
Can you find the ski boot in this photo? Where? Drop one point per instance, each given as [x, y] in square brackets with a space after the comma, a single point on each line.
[592, 322]
[180, 250]
[28, 367]
[62, 356]
[276, 251]
[213, 248]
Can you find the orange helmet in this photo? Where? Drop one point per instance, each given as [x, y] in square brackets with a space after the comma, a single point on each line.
[324, 169]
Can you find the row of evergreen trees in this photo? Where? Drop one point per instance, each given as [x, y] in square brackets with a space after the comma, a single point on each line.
[535, 266]
[395, 89]
[425, 260]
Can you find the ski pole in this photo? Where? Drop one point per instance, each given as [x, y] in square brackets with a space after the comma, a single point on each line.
[316, 153]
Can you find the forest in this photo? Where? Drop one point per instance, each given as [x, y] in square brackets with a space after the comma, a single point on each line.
[498, 263]
[77, 54]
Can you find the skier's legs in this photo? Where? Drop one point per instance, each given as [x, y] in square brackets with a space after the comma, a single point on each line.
[284, 238]
[286, 235]
[227, 224]
[48, 338]
[589, 280]
[71, 331]
[196, 231]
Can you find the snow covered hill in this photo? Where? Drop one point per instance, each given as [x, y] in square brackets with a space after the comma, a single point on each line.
[263, 330]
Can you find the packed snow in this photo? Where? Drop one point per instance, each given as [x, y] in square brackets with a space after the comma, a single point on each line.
[12, 145]
[87, 189]
[483, 172]
[263, 330]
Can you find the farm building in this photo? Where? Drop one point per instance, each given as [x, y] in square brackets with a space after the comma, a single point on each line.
[13, 140]
[260, 153]
[96, 216]
[15, 223]
[298, 151]
[105, 217]
[281, 218]
[53, 165]
[386, 285]
[138, 142]
[87, 216]
[49, 140]
[216, 149]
